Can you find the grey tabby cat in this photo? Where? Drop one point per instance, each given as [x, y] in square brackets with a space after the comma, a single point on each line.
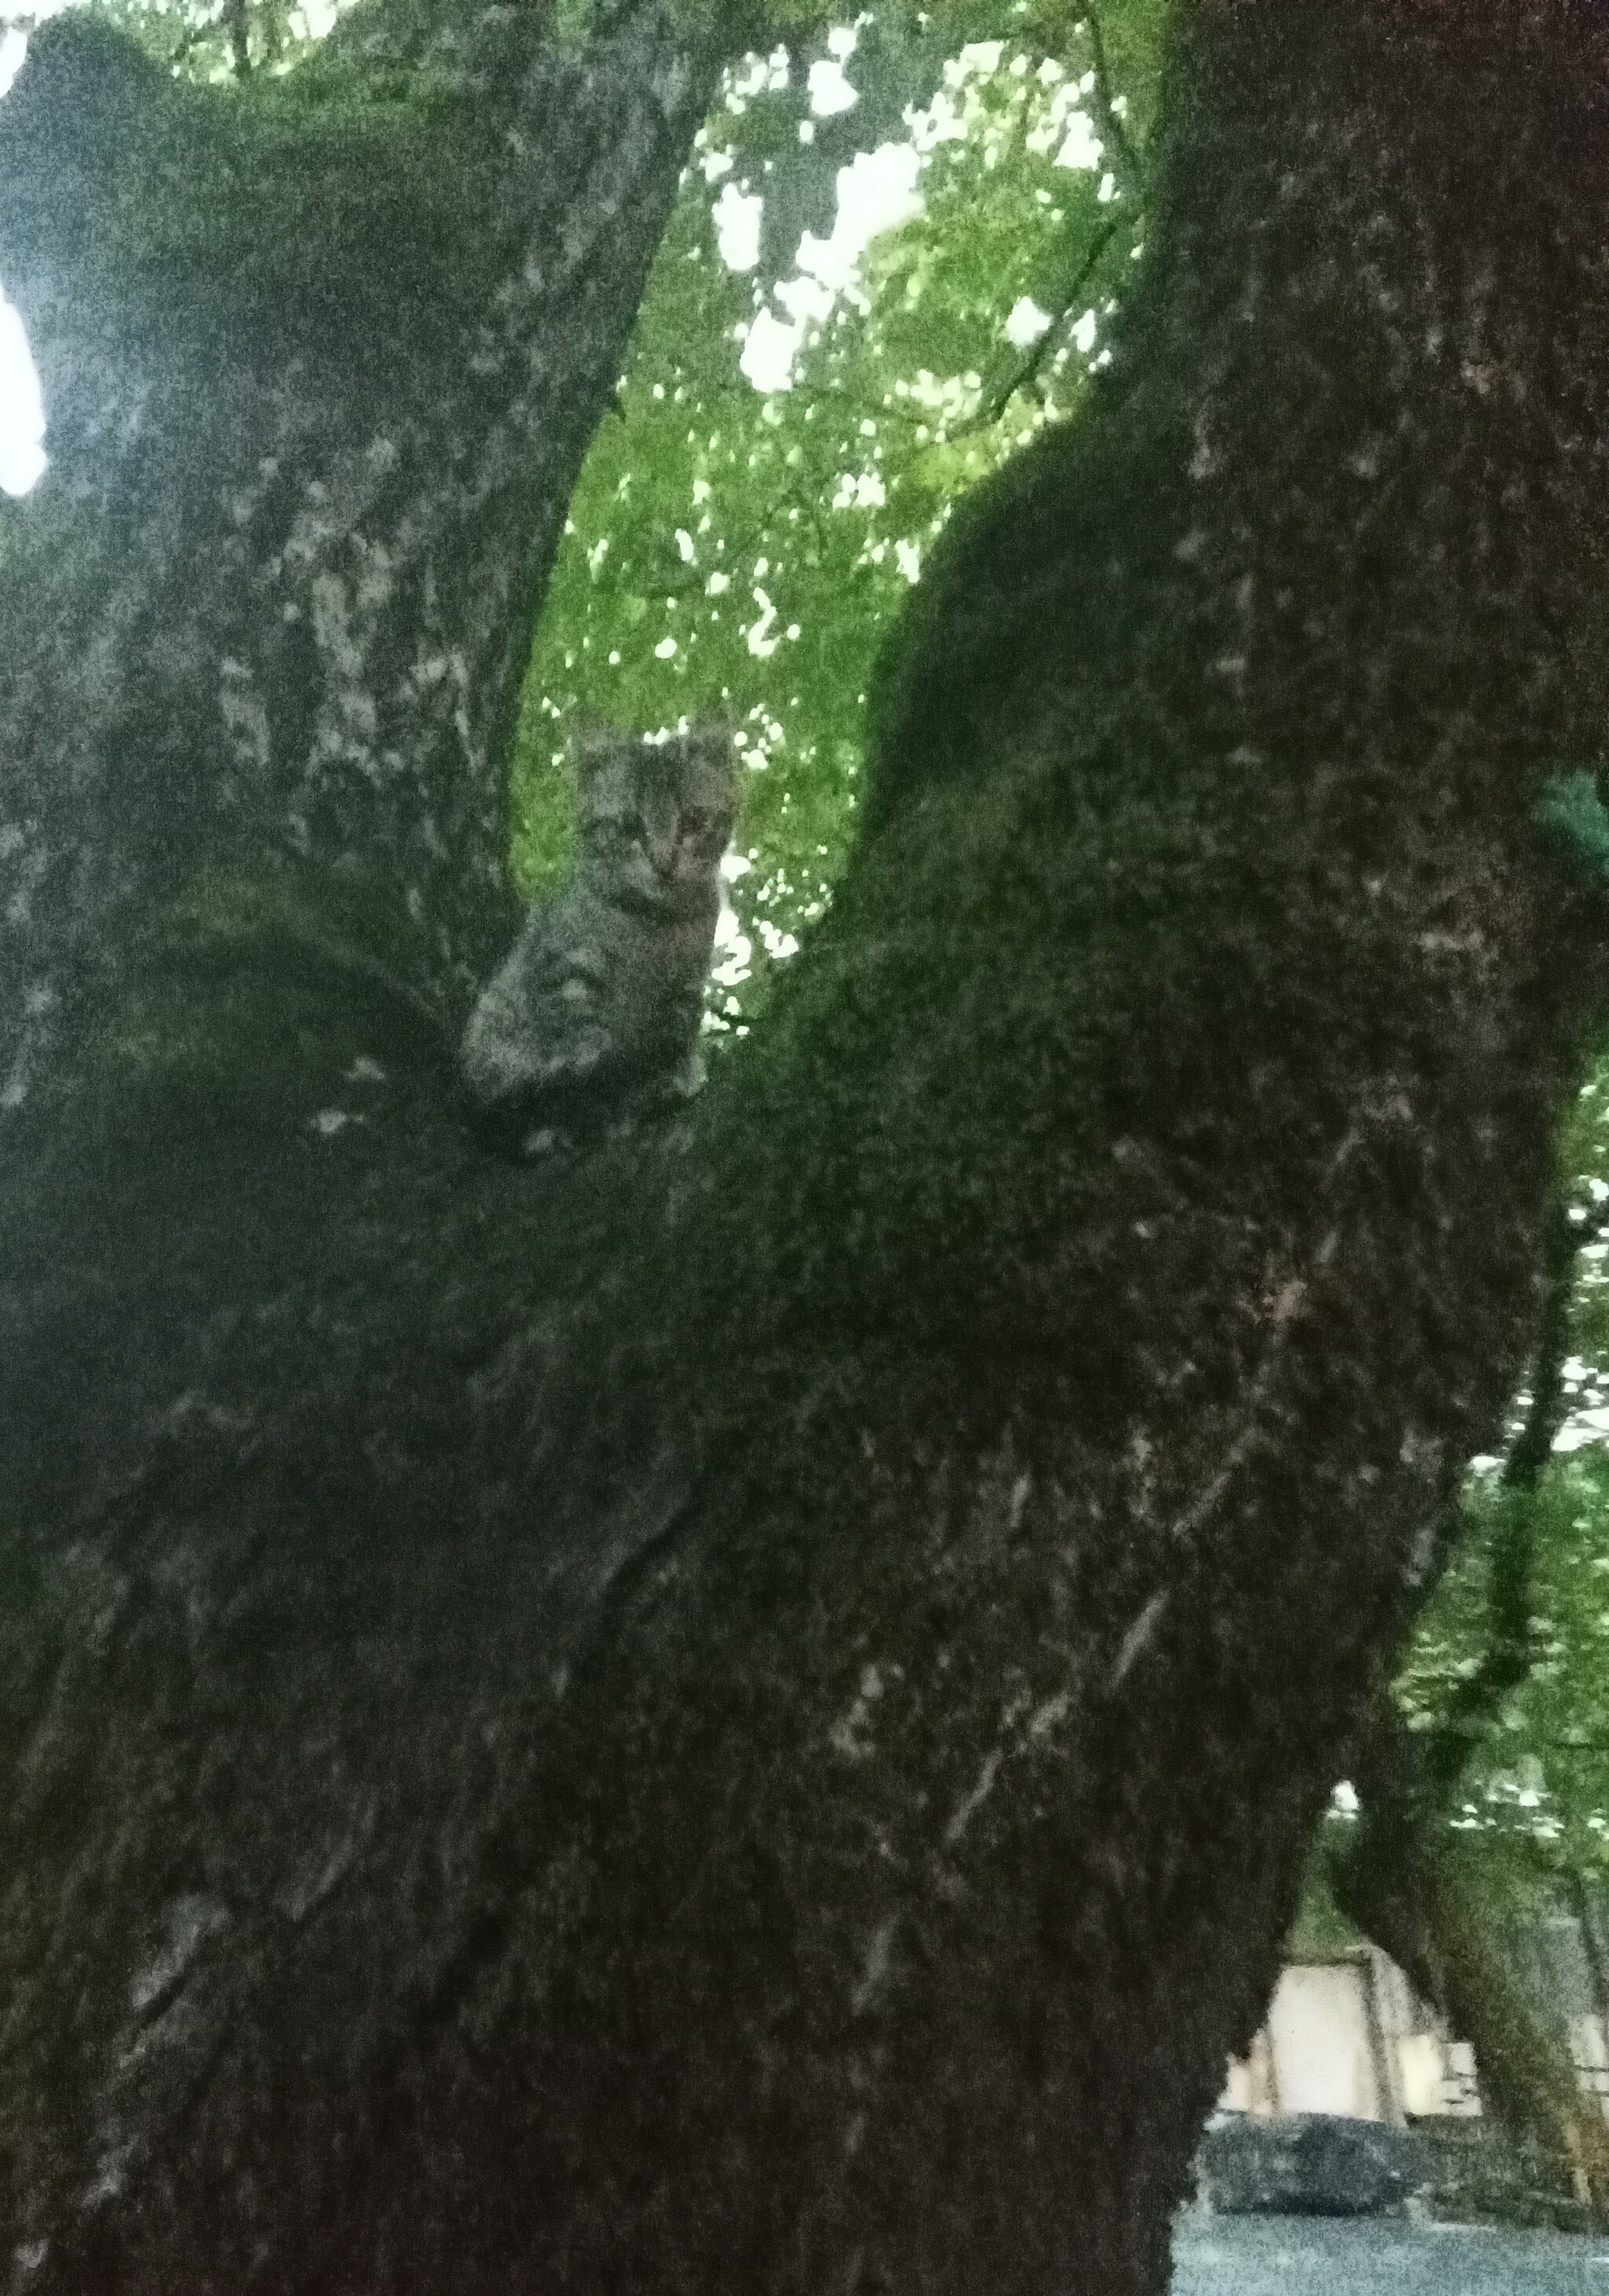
[594, 1014]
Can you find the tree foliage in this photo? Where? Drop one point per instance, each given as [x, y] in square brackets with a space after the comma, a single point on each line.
[1532, 1567]
[748, 548]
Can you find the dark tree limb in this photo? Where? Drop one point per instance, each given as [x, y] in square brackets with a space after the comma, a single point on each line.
[1401, 1879]
[320, 361]
[237, 17]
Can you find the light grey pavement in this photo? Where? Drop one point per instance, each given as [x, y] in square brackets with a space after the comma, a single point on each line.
[1323, 2256]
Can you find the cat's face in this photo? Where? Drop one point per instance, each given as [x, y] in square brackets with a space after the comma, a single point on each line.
[655, 817]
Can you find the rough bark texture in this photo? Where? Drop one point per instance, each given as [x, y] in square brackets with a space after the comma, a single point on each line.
[321, 360]
[745, 1716]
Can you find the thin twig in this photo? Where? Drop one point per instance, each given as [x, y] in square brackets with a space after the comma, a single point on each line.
[991, 409]
[240, 36]
[1111, 118]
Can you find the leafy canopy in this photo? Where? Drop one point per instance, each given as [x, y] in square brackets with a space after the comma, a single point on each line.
[743, 548]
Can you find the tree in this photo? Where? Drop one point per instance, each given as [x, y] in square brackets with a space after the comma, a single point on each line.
[1404, 1872]
[1399, 1874]
[1510, 1653]
[745, 1711]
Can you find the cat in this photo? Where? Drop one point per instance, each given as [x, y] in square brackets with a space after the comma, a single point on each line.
[595, 1015]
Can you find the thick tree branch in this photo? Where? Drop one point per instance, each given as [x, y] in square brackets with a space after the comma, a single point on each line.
[320, 364]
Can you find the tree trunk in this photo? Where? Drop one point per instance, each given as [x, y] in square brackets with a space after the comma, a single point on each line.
[1399, 1875]
[1404, 1882]
[742, 1712]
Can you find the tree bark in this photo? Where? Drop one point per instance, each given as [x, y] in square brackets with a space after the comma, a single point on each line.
[742, 1712]
[320, 366]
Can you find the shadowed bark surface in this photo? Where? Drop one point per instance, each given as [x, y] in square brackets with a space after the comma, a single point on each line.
[322, 359]
[742, 1712]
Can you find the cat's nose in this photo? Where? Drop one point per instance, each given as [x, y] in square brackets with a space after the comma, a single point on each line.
[663, 857]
